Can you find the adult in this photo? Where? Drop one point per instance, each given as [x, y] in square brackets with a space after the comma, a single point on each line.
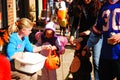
[108, 26]
[89, 11]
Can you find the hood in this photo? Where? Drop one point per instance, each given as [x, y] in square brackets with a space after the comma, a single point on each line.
[50, 25]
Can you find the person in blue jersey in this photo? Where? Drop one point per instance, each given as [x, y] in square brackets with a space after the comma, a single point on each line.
[19, 42]
[108, 25]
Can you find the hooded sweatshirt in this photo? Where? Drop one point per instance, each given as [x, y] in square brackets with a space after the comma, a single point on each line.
[54, 40]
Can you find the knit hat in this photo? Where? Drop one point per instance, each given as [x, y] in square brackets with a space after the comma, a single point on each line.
[50, 25]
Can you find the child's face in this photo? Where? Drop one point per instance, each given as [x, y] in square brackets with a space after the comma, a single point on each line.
[49, 33]
[87, 1]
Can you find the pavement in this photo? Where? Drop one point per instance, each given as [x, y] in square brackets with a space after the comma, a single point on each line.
[66, 60]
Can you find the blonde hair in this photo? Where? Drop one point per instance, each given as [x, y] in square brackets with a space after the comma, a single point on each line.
[20, 24]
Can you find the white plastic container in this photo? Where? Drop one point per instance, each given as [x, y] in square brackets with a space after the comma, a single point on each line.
[29, 62]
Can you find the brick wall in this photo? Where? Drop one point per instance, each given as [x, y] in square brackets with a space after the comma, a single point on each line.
[10, 11]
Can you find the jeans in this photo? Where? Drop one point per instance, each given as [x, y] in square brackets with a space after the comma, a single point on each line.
[96, 56]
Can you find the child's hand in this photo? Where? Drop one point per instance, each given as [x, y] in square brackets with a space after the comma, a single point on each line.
[47, 47]
[54, 48]
[78, 40]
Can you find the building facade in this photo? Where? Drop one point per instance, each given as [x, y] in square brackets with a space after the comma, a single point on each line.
[12, 10]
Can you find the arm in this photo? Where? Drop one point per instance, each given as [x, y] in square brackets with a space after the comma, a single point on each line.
[13, 46]
[92, 40]
[58, 45]
[38, 46]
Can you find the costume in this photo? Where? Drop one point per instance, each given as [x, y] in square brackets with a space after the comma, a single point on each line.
[53, 41]
[62, 14]
[5, 73]
[108, 21]
[85, 68]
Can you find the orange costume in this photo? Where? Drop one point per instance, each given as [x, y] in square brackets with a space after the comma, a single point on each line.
[62, 14]
[5, 68]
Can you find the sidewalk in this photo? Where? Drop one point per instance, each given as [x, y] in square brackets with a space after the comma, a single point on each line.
[66, 60]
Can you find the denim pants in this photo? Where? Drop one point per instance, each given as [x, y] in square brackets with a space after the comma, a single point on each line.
[96, 56]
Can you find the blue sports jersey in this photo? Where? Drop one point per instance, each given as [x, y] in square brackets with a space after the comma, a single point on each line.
[109, 21]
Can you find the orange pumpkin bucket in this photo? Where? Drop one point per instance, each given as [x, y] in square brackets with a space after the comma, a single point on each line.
[52, 61]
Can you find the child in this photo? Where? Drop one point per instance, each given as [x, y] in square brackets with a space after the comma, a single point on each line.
[85, 68]
[49, 38]
[5, 72]
[62, 14]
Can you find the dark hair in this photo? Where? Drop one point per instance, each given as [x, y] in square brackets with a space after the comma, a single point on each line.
[94, 5]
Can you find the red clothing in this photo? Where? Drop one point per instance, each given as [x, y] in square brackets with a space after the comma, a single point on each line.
[4, 68]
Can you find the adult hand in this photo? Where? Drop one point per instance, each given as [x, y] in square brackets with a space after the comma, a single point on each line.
[85, 33]
[86, 50]
[114, 39]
